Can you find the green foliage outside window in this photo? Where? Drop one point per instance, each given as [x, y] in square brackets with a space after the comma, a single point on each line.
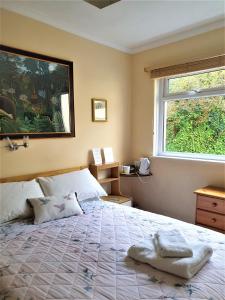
[196, 125]
[199, 81]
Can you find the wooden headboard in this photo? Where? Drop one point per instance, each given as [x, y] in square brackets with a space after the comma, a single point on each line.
[41, 174]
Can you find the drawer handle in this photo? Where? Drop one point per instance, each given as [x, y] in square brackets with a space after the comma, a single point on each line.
[213, 220]
[214, 204]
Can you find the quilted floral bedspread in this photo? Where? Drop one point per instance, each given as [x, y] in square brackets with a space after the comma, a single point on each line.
[85, 257]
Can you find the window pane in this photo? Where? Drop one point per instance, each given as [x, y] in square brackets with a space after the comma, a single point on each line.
[198, 81]
[195, 125]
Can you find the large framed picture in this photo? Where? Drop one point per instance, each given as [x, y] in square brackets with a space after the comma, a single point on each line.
[36, 95]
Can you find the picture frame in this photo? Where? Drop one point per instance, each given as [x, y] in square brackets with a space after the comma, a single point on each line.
[97, 156]
[36, 95]
[99, 110]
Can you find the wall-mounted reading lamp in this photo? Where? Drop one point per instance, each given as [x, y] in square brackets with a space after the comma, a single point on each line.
[13, 146]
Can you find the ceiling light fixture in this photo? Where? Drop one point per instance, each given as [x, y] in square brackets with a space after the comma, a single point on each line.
[101, 3]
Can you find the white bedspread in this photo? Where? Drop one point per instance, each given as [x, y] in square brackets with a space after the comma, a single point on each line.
[85, 257]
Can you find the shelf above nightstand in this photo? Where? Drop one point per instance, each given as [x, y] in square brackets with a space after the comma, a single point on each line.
[107, 180]
[135, 175]
[113, 178]
[105, 166]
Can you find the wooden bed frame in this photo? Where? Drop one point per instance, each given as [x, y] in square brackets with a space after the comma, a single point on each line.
[40, 174]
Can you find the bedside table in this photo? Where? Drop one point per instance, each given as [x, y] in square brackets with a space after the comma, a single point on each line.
[118, 199]
[112, 179]
[210, 208]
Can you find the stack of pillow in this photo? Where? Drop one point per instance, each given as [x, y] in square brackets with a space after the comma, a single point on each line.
[50, 198]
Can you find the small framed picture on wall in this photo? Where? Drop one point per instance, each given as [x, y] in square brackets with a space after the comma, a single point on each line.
[99, 110]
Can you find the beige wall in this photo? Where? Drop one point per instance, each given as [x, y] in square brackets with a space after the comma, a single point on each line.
[99, 71]
[170, 189]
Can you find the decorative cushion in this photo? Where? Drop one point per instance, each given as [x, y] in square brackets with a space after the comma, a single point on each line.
[13, 196]
[54, 207]
[82, 182]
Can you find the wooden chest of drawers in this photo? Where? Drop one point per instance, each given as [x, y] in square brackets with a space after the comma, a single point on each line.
[210, 208]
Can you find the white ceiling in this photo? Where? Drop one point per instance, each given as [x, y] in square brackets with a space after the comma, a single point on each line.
[128, 25]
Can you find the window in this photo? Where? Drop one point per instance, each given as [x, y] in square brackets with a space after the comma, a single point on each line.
[191, 115]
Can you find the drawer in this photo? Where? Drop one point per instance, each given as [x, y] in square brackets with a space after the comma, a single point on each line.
[211, 204]
[210, 219]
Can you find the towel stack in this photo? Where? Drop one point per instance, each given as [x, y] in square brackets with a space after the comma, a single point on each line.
[171, 244]
[168, 251]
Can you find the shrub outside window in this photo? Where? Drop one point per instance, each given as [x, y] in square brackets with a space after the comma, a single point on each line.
[191, 115]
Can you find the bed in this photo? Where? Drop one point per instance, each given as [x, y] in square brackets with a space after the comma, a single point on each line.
[85, 257]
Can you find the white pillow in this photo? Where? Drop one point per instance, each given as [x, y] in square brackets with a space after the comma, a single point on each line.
[54, 207]
[13, 199]
[82, 182]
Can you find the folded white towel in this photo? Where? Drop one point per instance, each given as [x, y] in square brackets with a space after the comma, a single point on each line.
[184, 267]
[171, 243]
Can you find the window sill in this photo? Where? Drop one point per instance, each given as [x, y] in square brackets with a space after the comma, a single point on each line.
[189, 158]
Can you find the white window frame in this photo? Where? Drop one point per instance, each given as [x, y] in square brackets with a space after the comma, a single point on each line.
[161, 97]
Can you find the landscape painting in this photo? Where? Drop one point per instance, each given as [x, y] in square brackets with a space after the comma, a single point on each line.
[36, 95]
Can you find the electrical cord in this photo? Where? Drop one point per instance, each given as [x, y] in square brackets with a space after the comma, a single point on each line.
[140, 177]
